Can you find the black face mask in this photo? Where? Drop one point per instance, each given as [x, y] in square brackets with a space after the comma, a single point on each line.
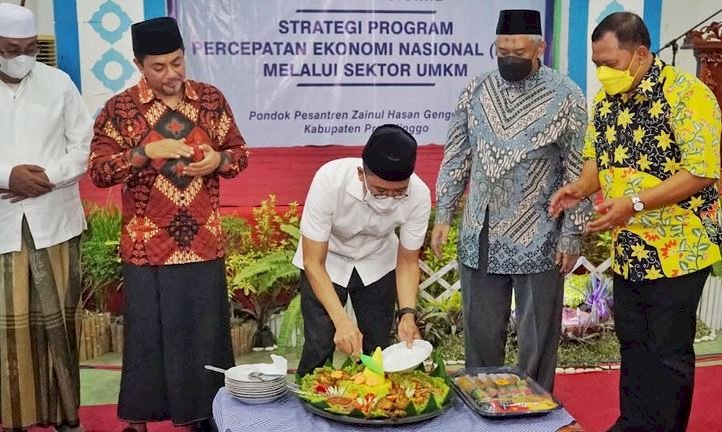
[514, 68]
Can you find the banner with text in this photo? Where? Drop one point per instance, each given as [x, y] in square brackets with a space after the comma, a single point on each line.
[318, 72]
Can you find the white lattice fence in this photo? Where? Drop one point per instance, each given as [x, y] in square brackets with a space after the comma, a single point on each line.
[710, 307]
[709, 311]
[438, 276]
[450, 288]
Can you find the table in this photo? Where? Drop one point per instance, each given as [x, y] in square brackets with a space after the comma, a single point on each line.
[287, 415]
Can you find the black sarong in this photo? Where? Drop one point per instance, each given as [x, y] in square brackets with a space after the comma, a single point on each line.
[176, 320]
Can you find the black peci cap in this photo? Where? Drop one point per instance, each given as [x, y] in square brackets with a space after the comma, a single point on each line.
[390, 153]
[156, 36]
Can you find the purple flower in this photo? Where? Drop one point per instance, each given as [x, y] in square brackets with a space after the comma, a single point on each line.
[599, 298]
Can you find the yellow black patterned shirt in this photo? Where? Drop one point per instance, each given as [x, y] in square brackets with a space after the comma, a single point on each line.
[670, 122]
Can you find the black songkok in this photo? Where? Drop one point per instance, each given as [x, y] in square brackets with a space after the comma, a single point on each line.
[519, 22]
[156, 36]
[390, 153]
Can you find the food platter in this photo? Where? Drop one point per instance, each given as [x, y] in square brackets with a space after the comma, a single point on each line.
[376, 422]
[357, 395]
[502, 393]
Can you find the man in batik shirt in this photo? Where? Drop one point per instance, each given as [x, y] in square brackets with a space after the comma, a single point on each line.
[516, 134]
[167, 140]
[653, 149]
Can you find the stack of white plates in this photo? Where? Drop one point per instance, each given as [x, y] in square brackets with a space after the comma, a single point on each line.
[243, 385]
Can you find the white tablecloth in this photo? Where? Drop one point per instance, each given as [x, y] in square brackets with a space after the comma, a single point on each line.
[288, 415]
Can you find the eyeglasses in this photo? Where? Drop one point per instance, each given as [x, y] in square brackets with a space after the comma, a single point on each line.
[395, 196]
[384, 195]
[12, 53]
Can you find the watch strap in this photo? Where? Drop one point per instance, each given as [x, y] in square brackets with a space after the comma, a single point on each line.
[406, 310]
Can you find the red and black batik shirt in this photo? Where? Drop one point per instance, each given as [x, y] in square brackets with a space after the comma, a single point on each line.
[168, 218]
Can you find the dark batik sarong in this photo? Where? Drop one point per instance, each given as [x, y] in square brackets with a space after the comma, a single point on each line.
[39, 299]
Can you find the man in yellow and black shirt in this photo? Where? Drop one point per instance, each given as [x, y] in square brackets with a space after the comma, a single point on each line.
[653, 148]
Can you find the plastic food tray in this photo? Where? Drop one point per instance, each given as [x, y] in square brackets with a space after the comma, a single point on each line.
[501, 404]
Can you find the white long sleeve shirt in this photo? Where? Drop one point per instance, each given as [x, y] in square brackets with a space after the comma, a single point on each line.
[44, 122]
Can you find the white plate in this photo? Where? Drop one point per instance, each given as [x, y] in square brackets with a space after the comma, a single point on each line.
[256, 401]
[255, 392]
[257, 382]
[240, 373]
[399, 357]
[256, 396]
[264, 384]
[268, 392]
[256, 389]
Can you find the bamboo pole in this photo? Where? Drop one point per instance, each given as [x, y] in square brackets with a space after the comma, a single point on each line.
[94, 335]
[86, 330]
[81, 338]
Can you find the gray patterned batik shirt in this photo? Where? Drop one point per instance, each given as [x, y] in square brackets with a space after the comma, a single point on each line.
[514, 145]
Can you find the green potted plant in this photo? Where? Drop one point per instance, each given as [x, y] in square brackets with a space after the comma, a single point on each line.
[262, 286]
[261, 279]
[99, 255]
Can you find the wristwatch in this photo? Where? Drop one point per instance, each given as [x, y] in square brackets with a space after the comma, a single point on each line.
[405, 310]
[637, 204]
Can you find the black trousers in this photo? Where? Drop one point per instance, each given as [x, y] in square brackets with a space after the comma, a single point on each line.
[373, 304]
[176, 320]
[486, 300]
[655, 322]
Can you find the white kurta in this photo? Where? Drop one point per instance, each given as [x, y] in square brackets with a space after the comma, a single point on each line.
[358, 237]
[44, 122]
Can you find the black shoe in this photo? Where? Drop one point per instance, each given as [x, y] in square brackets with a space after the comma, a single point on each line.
[616, 427]
[203, 426]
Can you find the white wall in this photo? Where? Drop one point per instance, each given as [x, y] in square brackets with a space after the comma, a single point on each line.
[106, 64]
[44, 16]
[677, 17]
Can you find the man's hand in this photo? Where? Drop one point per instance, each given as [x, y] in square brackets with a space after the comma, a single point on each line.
[168, 149]
[408, 332]
[565, 198]
[439, 236]
[27, 181]
[565, 262]
[348, 337]
[6, 194]
[210, 163]
[615, 212]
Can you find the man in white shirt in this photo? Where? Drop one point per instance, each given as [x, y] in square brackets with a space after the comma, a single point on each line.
[46, 132]
[349, 247]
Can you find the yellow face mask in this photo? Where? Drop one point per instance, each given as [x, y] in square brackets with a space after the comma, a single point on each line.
[617, 81]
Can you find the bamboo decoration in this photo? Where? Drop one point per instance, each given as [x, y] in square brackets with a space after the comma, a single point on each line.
[116, 334]
[95, 339]
[101, 334]
[242, 337]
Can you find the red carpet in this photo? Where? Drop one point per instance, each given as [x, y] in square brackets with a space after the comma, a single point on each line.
[286, 172]
[593, 399]
[104, 418]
